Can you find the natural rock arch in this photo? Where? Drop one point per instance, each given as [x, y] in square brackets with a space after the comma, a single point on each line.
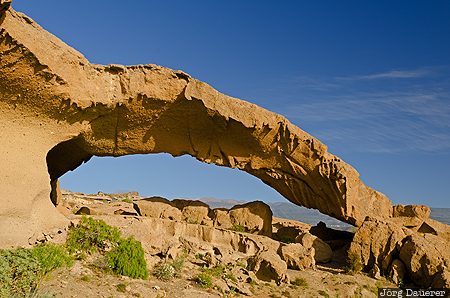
[57, 110]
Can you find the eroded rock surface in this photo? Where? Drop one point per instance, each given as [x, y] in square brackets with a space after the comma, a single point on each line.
[402, 253]
[157, 207]
[57, 110]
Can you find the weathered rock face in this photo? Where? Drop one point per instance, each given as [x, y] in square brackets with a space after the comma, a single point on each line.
[398, 271]
[376, 243]
[221, 218]
[426, 257]
[268, 266]
[400, 252]
[157, 207]
[57, 111]
[297, 256]
[256, 217]
[323, 252]
[193, 211]
[419, 211]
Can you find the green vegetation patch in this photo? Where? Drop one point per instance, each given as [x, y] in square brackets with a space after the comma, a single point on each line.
[299, 282]
[127, 258]
[239, 228]
[90, 236]
[52, 256]
[21, 270]
[204, 279]
[354, 264]
[216, 271]
[167, 270]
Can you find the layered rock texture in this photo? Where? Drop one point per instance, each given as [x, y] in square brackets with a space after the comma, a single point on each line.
[409, 247]
[57, 110]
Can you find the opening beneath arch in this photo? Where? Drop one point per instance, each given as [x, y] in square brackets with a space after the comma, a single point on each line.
[64, 157]
[165, 176]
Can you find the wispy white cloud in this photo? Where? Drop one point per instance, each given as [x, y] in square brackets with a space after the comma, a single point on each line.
[381, 118]
[392, 74]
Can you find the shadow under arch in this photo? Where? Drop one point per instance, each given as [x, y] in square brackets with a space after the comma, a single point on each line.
[64, 157]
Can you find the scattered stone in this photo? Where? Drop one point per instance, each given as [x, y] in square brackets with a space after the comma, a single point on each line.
[221, 285]
[323, 252]
[297, 256]
[287, 234]
[268, 266]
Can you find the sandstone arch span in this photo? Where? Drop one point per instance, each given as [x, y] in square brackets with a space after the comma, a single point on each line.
[57, 110]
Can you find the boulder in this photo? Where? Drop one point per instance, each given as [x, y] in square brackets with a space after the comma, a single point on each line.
[377, 242]
[84, 211]
[268, 266]
[426, 258]
[435, 227]
[297, 256]
[221, 218]
[255, 217]
[323, 252]
[425, 226]
[420, 211]
[287, 234]
[193, 211]
[157, 207]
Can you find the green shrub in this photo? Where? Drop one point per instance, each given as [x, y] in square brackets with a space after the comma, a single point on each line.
[204, 279]
[51, 256]
[127, 200]
[354, 264]
[90, 236]
[230, 276]
[86, 278]
[238, 228]
[21, 270]
[167, 270]
[121, 288]
[216, 271]
[178, 263]
[199, 256]
[299, 282]
[20, 273]
[127, 258]
[164, 271]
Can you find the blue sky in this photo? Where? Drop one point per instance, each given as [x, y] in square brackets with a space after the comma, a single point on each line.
[371, 79]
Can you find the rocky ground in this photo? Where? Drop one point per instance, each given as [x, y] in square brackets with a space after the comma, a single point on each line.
[243, 250]
[83, 280]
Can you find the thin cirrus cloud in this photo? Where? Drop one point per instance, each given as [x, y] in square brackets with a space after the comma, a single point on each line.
[393, 74]
[376, 117]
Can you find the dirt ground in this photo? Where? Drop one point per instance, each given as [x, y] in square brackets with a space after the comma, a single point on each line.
[83, 280]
